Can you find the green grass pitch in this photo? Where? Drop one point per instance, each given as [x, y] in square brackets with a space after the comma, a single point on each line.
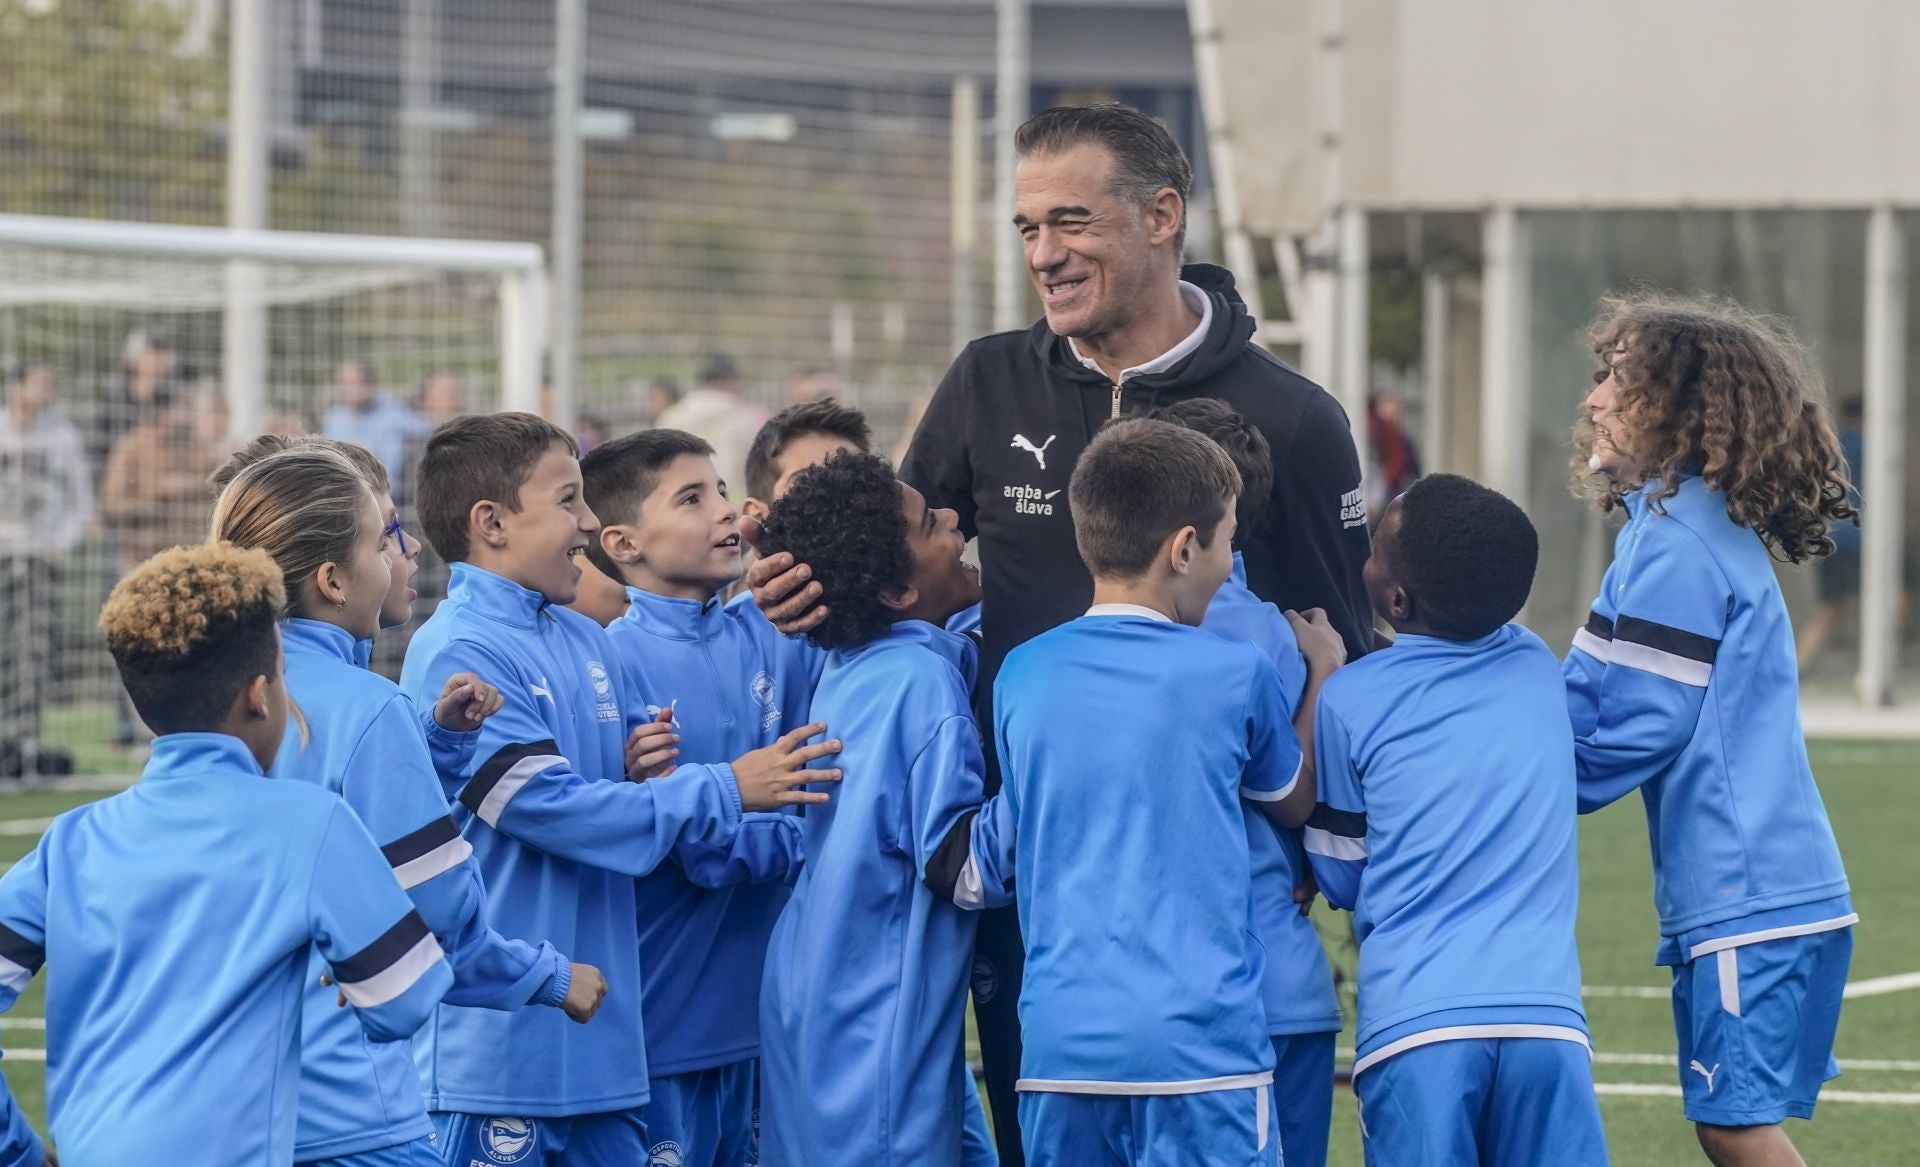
[1871, 791]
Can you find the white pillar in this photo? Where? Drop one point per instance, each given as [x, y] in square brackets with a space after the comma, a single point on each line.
[523, 330]
[964, 199]
[569, 92]
[1222, 152]
[243, 363]
[1882, 479]
[1436, 318]
[1504, 405]
[1010, 109]
[1353, 372]
[419, 98]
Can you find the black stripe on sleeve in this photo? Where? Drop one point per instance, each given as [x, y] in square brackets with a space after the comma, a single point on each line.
[1676, 641]
[950, 858]
[409, 847]
[377, 957]
[20, 950]
[1599, 625]
[489, 775]
[1348, 824]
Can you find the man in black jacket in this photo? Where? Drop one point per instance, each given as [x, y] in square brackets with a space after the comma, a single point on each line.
[1101, 197]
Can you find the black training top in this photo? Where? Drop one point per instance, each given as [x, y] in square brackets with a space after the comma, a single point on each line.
[1011, 416]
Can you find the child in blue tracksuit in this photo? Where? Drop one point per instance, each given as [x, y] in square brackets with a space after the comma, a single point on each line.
[345, 568]
[863, 1001]
[1683, 685]
[668, 532]
[1302, 1012]
[180, 914]
[1128, 739]
[558, 833]
[1446, 825]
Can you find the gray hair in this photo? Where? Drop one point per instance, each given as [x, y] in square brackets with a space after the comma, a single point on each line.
[1146, 159]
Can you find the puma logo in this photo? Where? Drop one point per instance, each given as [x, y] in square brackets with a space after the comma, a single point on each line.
[1039, 452]
[1701, 1070]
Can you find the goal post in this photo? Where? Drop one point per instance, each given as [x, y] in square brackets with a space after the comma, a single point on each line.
[135, 357]
[520, 269]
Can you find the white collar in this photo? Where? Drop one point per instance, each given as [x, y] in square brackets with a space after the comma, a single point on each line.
[1145, 613]
[1194, 298]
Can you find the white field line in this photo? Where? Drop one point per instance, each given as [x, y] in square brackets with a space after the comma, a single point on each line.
[1605, 1058]
[34, 827]
[1642, 1090]
[1629, 992]
[1882, 985]
[23, 1055]
[1875, 987]
[23, 1023]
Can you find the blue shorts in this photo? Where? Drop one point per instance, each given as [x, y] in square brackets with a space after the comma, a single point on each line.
[1756, 1026]
[705, 1118]
[415, 1153]
[1497, 1102]
[1303, 1096]
[618, 1139]
[1220, 1128]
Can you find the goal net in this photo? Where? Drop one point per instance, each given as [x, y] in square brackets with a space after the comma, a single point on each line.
[135, 358]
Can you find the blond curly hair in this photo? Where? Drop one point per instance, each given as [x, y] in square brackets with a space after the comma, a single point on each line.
[1719, 391]
[190, 628]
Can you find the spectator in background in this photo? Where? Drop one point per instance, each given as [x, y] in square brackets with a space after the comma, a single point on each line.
[362, 413]
[46, 502]
[154, 495]
[1393, 462]
[147, 362]
[663, 393]
[441, 400]
[716, 411]
[816, 384]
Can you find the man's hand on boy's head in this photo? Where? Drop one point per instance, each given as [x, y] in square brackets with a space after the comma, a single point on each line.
[780, 588]
[465, 703]
[1320, 641]
[653, 748]
[769, 778]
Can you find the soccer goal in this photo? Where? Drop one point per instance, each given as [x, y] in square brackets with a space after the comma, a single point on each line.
[134, 357]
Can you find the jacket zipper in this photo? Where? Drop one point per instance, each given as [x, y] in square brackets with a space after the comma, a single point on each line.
[1116, 403]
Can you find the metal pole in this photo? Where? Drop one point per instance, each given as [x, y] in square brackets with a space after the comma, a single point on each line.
[1353, 374]
[244, 323]
[964, 198]
[419, 73]
[1503, 398]
[569, 52]
[1882, 479]
[1436, 318]
[1010, 89]
[1221, 151]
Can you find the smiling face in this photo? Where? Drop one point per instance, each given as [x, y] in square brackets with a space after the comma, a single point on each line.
[361, 584]
[538, 545]
[942, 583]
[1615, 436]
[1095, 257]
[403, 552]
[685, 534]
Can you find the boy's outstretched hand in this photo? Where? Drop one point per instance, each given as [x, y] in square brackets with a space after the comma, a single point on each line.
[1319, 640]
[780, 587]
[768, 777]
[653, 749]
[465, 703]
[584, 993]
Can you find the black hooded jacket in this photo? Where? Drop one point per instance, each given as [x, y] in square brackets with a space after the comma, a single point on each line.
[1011, 416]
